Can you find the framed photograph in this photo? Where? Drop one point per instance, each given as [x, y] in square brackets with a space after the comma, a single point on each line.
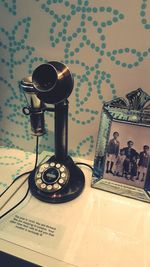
[122, 158]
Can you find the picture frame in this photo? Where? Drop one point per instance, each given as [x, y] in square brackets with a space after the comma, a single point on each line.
[122, 156]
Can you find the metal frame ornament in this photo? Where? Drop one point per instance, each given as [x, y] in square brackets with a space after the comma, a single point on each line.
[123, 113]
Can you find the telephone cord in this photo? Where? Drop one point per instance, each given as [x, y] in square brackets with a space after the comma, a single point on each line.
[36, 160]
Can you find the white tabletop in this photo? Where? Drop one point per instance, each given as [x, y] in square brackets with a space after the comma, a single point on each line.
[95, 229]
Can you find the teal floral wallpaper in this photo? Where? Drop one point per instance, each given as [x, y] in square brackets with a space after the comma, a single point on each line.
[105, 44]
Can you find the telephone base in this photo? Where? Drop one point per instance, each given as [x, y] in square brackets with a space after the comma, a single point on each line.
[72, 187]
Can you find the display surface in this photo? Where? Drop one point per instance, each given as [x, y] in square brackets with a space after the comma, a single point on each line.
[122, 159]
[86, 228]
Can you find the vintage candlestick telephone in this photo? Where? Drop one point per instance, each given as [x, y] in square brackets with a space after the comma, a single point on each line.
[59, 179]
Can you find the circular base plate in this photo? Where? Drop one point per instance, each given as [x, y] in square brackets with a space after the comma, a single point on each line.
[67, 193]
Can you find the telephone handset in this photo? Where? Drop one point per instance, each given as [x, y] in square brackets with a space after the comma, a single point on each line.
[59, 179]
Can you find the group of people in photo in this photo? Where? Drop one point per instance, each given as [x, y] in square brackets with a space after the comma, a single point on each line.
[126, 161]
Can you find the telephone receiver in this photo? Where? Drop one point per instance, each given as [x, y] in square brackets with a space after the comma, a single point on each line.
[58, 179]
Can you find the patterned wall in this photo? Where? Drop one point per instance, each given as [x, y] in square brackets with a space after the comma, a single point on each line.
[106, 45]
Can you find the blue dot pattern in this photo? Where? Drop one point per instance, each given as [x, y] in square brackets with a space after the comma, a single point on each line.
[77, 33]
[10, 5]
[144, 14]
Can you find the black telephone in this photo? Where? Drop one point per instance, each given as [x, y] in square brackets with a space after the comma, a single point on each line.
[59, 179]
